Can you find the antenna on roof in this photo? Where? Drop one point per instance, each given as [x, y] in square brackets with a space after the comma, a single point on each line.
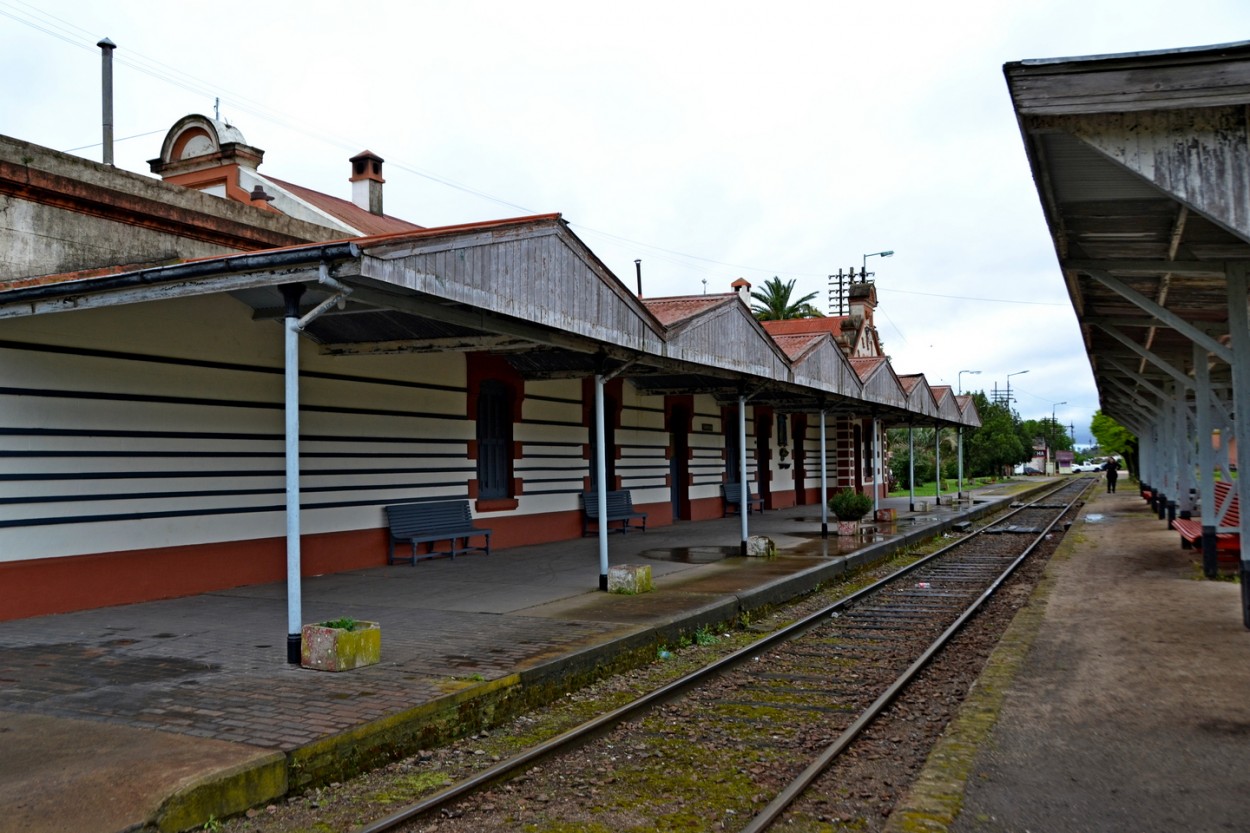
[217, 108]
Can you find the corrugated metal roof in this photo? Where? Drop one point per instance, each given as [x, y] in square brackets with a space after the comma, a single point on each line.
[347, 211]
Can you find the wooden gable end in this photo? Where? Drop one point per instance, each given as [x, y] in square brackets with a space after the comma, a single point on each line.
[882, 388]
[920, 399]
[729, 338]
[826, 368]
[968, 413]
[948, 408]
[537, 272]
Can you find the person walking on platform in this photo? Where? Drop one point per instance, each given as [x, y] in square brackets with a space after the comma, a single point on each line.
[1113, 474]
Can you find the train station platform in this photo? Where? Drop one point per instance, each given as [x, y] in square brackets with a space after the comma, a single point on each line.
[1118, 701]
[166, 713]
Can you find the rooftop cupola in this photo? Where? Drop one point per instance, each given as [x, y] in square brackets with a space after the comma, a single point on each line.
[367, 181]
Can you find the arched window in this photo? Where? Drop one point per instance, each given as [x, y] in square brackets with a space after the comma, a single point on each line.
[494, 440]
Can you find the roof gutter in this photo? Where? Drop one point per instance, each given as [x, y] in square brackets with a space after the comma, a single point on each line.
[159, 276]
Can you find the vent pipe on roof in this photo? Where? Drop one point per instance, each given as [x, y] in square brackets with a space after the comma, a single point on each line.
[638, 271]
[106, 81]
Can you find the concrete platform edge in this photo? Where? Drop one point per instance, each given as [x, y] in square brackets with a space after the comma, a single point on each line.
[224, 793]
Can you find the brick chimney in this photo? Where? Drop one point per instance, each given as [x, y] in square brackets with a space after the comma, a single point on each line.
[367, 181]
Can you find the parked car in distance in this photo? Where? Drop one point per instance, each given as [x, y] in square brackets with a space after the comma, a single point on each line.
[1023, 469]
[1086, 467]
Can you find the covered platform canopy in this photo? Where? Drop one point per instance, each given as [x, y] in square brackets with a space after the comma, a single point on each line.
[529, 290]
[1142, 164]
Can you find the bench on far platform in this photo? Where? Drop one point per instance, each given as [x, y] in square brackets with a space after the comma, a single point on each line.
[731, 494]
[620, 508]
[432, 522]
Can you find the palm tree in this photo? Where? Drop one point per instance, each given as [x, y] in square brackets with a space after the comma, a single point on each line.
[775, 304]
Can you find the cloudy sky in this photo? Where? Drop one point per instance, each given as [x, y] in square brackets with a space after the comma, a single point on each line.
[711, 140]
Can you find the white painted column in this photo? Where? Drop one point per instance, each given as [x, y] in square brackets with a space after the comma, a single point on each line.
[294, 601]
[937, 464]
[911, 467]
[1239, 330]
[824, 481]
[743, 509]
[878, 454]
[601, 481]
[1206, 460]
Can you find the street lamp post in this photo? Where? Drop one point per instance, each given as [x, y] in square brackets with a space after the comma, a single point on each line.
[959, 389]
[863, 272]
[1009, 375]
[1052, 434]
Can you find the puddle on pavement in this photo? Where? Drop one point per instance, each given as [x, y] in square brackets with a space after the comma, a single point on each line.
[692, 555]
[1093, 518]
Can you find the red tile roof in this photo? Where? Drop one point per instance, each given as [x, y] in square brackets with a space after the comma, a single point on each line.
[789, 326]
[674, 310]
[796, 345]
[909, 382]
[865, 366]
[347, 211]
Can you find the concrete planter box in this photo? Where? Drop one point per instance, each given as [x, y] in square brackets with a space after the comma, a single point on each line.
[630, 579]
[325, 648]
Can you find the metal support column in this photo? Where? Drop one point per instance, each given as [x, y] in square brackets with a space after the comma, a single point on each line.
[959, 493]
[294, 603]
[1239, 331]
[877, 457]
[744, 506]
[1206, 459]
[937, 464]
[824, 481]
[601, 481]
[911, 467]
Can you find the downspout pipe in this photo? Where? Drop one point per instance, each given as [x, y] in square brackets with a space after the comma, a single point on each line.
[339, 298]
[294, 605]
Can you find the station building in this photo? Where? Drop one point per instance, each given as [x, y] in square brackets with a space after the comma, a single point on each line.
[165, 343]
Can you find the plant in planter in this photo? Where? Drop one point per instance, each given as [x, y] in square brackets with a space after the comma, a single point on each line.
[849, 506]
[340, 644]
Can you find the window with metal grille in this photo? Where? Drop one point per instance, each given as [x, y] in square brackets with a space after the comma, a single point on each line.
[494, 440]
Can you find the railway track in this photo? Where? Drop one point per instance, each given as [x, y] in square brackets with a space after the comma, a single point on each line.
[734, 744]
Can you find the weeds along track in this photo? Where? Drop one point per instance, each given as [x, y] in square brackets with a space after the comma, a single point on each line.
[734, 744]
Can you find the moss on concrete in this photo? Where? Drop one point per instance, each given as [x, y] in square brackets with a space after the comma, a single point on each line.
[224, 794]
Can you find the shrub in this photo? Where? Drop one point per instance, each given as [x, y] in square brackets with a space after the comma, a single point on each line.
[850, 505]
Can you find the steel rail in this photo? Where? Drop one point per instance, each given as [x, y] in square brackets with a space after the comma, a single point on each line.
[765, 818]
[584, 732]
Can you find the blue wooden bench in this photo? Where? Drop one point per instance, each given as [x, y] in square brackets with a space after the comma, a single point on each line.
[620, 508]
[431, 523]
[731, 495]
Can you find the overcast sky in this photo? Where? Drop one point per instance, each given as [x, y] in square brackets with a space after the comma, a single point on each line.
[711, 140]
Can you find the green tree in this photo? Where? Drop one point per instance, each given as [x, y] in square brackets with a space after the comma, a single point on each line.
[996, 445]
[923, 441]
[775, 304]
[1114, 438]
